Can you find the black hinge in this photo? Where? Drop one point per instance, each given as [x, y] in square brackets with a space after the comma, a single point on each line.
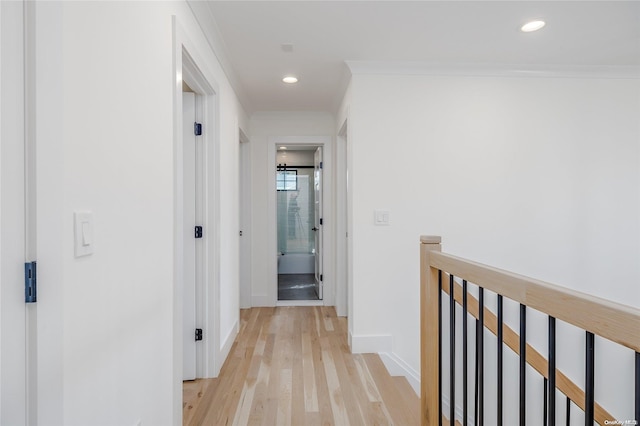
[30, 282]
[320, 277]
[198, 232]
[321, 164]
[197, 129]
[198, 334]
[320, 221]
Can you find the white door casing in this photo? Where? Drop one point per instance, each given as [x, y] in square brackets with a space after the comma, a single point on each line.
[317, 189]
[271, 296]
[244, 181]
[189, 242]
[13, 364]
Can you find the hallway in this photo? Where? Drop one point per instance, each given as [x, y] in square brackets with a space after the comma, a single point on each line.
[292, 365]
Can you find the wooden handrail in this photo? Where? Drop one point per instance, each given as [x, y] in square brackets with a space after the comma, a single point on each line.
[534, 358]
[615, 322]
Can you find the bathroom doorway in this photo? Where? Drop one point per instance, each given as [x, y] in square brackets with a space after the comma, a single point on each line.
[299, 222]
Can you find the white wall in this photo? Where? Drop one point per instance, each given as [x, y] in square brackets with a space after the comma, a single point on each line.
[105, 143]
[295, 158]
[263, 126]
[536, 175]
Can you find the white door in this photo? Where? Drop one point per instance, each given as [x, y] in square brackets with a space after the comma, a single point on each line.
[189, 241]
[317, 187]
[13, 355]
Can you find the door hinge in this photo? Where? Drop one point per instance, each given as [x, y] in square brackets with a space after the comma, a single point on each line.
[198, 334]
[241, 233]
[320, 221]
[198, 232]
[321, 164]
[321, 277]
[30, 282]
[197, 129]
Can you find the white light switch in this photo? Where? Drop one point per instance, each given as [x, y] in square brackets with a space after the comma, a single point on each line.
[86, 233]
[381, 217]
[83, 228]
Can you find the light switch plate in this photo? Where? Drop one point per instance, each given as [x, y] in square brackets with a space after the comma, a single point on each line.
[381, 217]
[83, 233]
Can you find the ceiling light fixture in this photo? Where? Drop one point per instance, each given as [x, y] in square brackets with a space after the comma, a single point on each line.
[532, 26]
[283, 147]
[290, 79]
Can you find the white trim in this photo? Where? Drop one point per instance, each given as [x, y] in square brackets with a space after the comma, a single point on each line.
[16, 156]
[244, 207]
[207, 22]
[397, 367]
[188, 64]
[492, 70]
[328, 215]
[370, 343]
[227, 343]
[341, 228]
[471, 420]
[300, 303]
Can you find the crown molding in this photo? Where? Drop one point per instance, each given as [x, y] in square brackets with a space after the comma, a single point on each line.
[209, 27]
[492, 70]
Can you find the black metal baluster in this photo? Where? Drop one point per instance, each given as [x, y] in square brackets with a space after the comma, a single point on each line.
[568, 412]
[552, 372]
[545, 403]
[589, 379]
[481, 356]
[452, 351]
[523, 363]
[464, 353]
[500, 359]
[439, 347]
[475, 378]
[637, 386]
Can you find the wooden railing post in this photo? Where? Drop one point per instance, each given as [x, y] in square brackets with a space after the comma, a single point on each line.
[429, 291]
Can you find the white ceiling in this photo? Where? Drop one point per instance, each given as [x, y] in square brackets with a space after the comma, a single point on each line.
[443, 34]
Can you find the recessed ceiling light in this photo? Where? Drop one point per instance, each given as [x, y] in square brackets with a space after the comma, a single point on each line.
[532, 26]
[290, 79]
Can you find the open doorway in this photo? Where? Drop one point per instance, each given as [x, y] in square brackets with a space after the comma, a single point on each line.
[299, 220]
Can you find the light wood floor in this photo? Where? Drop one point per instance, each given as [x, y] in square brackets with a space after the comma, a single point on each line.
[292, 366]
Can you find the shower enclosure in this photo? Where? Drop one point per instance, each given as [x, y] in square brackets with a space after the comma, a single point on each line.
[296, 229]
[295, 221]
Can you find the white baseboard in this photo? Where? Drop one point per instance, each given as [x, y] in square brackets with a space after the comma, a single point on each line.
[459, 413]
[226, 345]
[396, 366]
[370, 343]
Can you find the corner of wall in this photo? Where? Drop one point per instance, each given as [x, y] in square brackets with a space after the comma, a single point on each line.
[225, 347]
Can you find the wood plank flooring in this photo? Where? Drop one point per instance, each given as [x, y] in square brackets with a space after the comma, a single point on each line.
[292, 366]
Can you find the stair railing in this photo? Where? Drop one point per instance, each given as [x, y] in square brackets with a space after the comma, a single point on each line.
[440, 276]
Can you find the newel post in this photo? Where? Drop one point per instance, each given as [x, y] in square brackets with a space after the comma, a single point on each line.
[429, 291]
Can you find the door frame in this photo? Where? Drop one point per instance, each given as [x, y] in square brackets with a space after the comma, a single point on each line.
[244, 199]
[17, 352]
[342, 259]
[189, 65]
[328, 217]
[318, 187]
